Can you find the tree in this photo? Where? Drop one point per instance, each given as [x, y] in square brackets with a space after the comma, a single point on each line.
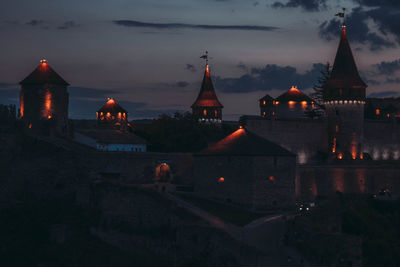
[318, 93]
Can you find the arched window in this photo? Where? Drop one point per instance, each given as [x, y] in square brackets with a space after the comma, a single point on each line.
[205, 112]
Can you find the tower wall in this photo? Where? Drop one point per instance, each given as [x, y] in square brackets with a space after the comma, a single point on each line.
[346, 127]
[44, 104]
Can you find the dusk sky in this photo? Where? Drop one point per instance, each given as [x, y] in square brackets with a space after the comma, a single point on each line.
[146, 53]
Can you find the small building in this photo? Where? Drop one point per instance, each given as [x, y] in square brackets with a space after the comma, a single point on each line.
[44, 101]
[207, 107]
[111, 114]
[111, 140]
[267, 107]
[246, 170]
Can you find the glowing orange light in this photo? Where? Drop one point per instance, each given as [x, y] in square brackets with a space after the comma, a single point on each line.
[205, 112]
[215, 113]
[292, 102]
[47, 104]
[271, 178]
[110, 101]
[353, 155]
[340, 156]
[304, 104]
[240, 127]
[43, 61]
[21, 107]
[108, 115]
[337, 128]
[377, 111]
[264, 102]
[119, 115]
[264, 113]
[221, 180]
[361, 155]
[49, 117]
[30, 126]
[388, 115]
[334, 145]
[276, 102]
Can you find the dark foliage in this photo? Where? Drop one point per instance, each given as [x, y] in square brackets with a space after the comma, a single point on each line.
[318, 92]
[181, 133]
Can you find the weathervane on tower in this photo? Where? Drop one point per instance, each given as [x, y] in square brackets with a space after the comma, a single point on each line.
[343, 16]
[205, 56]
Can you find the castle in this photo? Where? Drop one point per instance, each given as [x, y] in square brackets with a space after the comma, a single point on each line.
[270, 161]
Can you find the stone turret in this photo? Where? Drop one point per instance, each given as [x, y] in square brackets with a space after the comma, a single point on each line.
[207, 107]
[44, 101]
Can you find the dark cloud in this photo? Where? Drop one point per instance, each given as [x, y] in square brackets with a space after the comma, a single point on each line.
[242, 66]
[92, 93]
[35, 22]
[383, 94]
[386, 19]
[378, 3]
[388, 67]
[393, 80]
[270, 77]
[191, 68]
[306, 5]
[68, 25]
[182, 84]
[138, 24]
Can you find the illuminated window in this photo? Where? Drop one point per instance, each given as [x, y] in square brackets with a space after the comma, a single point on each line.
[221, 180]
[337, 128]
[30, 126]
[215, 113]
[340, 156]
[264, 113]
[271, 178]
[264, 102]
[334, 145]
[388, 115]
[205, 112]
[377, 111]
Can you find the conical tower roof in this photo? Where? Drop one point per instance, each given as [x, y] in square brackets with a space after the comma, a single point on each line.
[344, 72]
[44, 74]
[207, 96]
[112, 106]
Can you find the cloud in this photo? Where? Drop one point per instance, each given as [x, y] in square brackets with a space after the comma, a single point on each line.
[393, 80]
[191, 68]
[270, 77]
[388, 67]
[242, 66]
[383, 94]
[362, 24]
[164, 26]
[91, 93]
[182, 84]
[68, 25]
[306, 5]
[35, 22]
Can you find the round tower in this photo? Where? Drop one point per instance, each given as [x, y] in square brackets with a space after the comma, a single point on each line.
[344, 98]
[44, 101]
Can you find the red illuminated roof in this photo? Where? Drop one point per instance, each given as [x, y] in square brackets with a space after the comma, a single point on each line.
[112, 106]
[293, 94]
[244, 143]
[207, 96]
[344, 72]
[44, 74]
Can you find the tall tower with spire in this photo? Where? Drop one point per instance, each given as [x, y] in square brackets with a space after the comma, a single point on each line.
[344, 98]
[207, 107]
[44, 101]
